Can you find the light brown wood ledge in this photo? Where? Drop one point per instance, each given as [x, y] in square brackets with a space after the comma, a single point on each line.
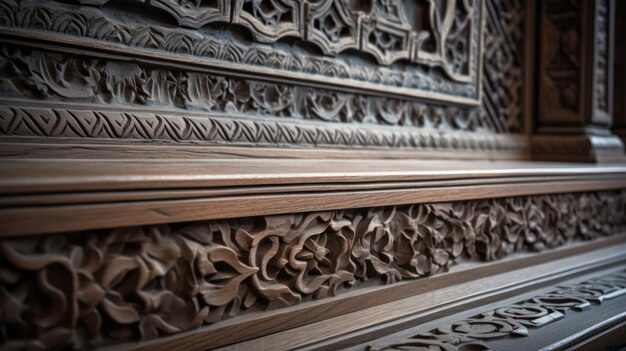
[46, 196]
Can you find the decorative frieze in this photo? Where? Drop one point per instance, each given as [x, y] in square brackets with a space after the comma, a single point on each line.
[415, 58]
[516, 320]
[442, 56]
[43, 75]
[59, 123]
[77, 290]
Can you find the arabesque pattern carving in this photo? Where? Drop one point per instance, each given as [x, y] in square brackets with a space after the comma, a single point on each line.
[380, 28]
[77, 290]
[515, 320]
[327, 28]
[42, 75]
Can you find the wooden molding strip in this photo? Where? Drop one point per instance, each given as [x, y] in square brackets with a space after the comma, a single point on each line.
[32, 220]
[50, 196]
[34, 148]
[57, 175]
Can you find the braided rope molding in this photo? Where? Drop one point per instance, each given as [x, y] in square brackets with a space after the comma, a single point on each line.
[78, 290]
[513, 320]
[174, 127]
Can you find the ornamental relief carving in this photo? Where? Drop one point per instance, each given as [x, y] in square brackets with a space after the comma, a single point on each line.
[380, 28]
[42, 75]
[77, 290]
[602, 68]
[516, 320]
[503, 66]
[435, 48]
[103, 81]
[120, 126]
[561, 58]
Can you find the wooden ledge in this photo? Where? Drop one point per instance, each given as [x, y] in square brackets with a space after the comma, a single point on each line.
[62, 175]
[48, 196]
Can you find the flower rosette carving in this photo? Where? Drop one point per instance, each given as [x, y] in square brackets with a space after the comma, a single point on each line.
[489, 222]
[560, 214]
[299, 255]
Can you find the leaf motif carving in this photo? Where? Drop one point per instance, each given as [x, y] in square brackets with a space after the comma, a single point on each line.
[144, 282]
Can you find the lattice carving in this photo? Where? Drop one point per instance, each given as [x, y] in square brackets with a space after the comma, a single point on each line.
[190, 13]
[270, 19]
[83, 289]
[515, 320]
[334, 26]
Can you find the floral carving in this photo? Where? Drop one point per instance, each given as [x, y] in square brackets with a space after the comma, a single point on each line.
[37, 74]
[475, 332]
[337, 27]
[82, 289]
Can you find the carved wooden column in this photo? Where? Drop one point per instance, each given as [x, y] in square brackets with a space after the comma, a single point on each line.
[575, 89]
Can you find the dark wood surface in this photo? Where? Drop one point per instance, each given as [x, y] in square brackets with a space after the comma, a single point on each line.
[280, 174]
[418, 310]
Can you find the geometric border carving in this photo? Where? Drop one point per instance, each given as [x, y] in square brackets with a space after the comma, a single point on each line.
[18, 121]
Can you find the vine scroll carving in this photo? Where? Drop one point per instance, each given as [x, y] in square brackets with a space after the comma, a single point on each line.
[82, 289]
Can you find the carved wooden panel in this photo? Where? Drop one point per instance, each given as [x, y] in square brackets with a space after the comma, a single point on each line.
[576, 61]
[101, 287]
[249, 72]
[516, 320]
[561, 61]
